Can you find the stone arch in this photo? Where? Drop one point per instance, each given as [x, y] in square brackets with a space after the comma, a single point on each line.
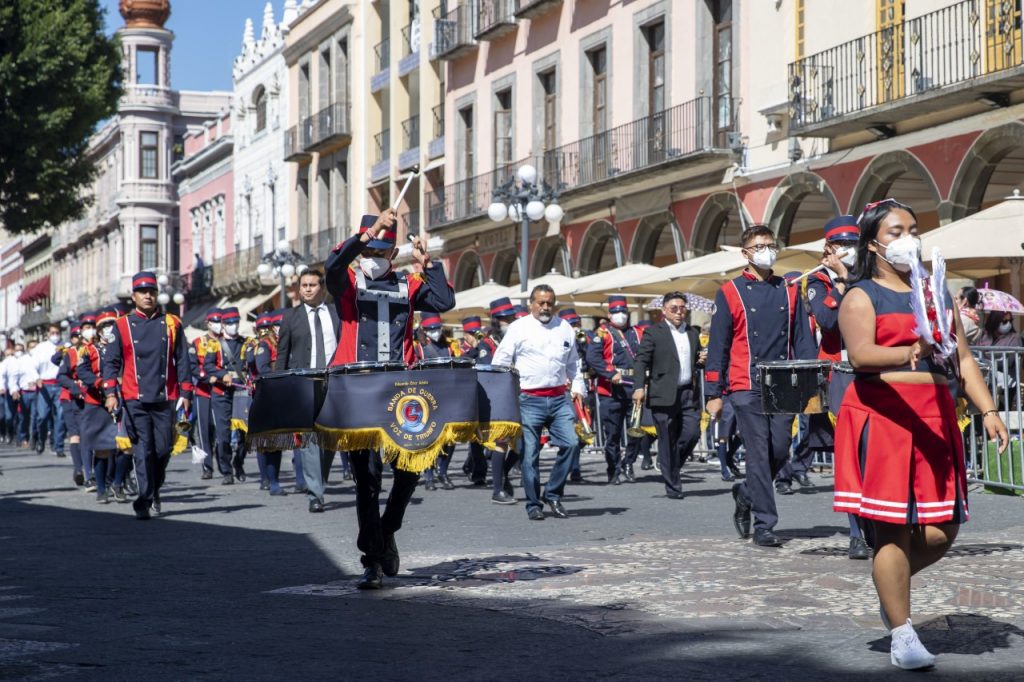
[980, 180]
[600, 249]
[505, 268]
[469, 272]
[551, 253]
[719, 222]
[658, 241]
[799, 207]
[901, 175]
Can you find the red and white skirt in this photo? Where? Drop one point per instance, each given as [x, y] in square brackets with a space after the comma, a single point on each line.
[899, 455]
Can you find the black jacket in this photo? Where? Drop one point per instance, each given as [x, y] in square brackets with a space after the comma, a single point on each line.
[659, 360]
[295, 343]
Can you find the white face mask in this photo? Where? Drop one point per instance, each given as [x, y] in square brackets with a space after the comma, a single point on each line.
[88, 334]
[18, 353]
[214, 327]
[374, 267]
[107, 334]
[55, 339]
[1005, 327]
[503, 327]
[434, 335]
[848, 257]
[231, 329]
[902, 252]
[619, 319]
[764, 259]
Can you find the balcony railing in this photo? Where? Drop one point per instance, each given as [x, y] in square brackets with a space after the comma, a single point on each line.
[330, 127]
[314, 247]
[411, 133]
[297, 140]
[454, 31]
[438, 112]
[411, 39]
[198, 284]
[668, 136]
[528, 9]
[411, 220]
[382, 145]
[236, 272]
[382, 54]
[495, 18]
[943, 48]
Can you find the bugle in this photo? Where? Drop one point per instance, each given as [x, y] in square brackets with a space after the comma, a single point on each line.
[634, 430]
[583, 418]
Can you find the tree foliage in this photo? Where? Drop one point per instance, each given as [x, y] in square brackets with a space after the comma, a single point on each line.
[60, 75]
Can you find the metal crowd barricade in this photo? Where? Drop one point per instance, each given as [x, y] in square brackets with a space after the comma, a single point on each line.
[1001, 366]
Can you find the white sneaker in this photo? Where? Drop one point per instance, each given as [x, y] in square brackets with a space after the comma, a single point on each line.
[907, 652]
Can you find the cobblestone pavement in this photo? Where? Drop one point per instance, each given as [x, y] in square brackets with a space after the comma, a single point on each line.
[232, 584]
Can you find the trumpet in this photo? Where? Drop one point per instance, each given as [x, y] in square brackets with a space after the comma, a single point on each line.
[183, 427]
[583, 418]
[635, 430]
[480, 334]
[581, 336]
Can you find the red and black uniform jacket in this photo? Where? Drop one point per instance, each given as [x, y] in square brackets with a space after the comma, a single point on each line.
[150, 356]
[824, 302]
[482, 352]
[66, 364]
[609, 351]
[264, 358]
[88, 373]
[427, 291]
[755, 321]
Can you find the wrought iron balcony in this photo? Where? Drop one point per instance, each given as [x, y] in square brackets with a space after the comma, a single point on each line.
[315, 247]
[296, 140]
[951, 56]
[411, 133]
[382, 55]
[454, 31]
[411, 220]
[495, 18]
[529, 9]
[467, 198]
[198, 284]
[382, 159]
[330, 128]
[236, 273]
[411, 39]
[435, 147]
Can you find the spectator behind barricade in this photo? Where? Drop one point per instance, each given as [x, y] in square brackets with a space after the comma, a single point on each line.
[967, 304]
[999, 331]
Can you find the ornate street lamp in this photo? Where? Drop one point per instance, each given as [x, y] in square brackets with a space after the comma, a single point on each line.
[522, 201]
[284, 263]
[167, 292]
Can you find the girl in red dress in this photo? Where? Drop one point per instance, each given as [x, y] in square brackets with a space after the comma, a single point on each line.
[899, 453]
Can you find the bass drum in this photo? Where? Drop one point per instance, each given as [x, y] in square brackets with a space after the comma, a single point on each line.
[284, 408]
[498, 404]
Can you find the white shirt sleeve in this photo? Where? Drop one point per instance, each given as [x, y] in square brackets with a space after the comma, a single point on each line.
[505, 354]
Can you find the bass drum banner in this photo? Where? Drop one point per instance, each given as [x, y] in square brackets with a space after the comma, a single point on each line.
[284, 408]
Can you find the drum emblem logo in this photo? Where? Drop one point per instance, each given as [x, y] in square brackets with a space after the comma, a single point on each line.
[412, 414]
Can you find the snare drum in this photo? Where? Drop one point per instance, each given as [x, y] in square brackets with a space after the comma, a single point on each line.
[368, 368]
[498, 403]
[444, 363]
[285, 403]
[842, 377]
[794, 386]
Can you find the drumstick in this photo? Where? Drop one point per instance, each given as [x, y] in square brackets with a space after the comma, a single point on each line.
[840, 254]
[413, 172]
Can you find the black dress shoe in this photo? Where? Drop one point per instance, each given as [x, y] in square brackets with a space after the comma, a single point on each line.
[501, 497]
[60, 454]
[576, 477]
[228, 480]
[300, 489]
[390, 563]
[783, 488]
[372, 578]
[141, 508]
[859, 549]
[615, 478]
[207, 475]
[536, 514]
[40, 447]
[479, 481]
[728, 477]
[446, 482]
[628, 474]
[156, 505]
[557, 510]
[429, 484]
[736, 471]
[766, 538]
[741, 514]
[646, 465]
[240, 475]
[804, 480]
[316, 506]
[674, 495]
[79, 478]
[278, 492]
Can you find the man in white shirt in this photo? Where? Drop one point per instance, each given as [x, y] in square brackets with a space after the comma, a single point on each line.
[8, 432]
[48, 418]
[542, 347]
[21, 382]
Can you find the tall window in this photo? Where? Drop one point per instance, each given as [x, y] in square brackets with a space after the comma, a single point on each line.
[889, 52]
[655, 35]
[466, 115]
[324, 91]
[339, 200]
[723, 68]
[260, 102]
[148, 156]
[323, 199]
[548, 85]
[303, 185]
[147, 62]
[503, 128]
[800, 18]
[272, 212]
[149, 240]
[304, 93]
[599, 69]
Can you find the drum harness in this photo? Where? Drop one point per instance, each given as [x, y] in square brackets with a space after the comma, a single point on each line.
[383, 300]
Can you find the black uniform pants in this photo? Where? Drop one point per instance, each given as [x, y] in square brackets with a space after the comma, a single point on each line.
[367, 469]
[615, 410]
[766, 438]
[221, 407]
[678, 430]
[204, 431]
[151, 431]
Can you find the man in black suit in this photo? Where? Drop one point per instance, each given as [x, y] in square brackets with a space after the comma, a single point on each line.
[308, 339]
[669, 357]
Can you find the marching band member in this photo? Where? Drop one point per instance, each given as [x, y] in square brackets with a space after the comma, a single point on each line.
[149, 359]
[233, 348]
[71, 399]
[437, 345]
[611, 358]
[219, 371]
[99, 430]
[371, 297]
[205, 434]
[755, 320]
[263, 360]
[899, 459]
[584, 339]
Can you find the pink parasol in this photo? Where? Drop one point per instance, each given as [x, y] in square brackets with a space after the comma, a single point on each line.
[995, 300]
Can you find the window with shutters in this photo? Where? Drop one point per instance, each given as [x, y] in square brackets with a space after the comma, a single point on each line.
[149, 157]
[722, 87]
[503, 128]
[149, 242]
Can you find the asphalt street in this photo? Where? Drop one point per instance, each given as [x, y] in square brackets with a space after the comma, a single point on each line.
[232, 584]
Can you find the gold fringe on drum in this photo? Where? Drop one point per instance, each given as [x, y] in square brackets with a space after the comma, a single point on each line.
[416, 461]
[490, 434]
[273, 441]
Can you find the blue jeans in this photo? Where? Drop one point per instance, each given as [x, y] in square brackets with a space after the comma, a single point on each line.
[49, 416]
[557, 415]
[26, 425]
